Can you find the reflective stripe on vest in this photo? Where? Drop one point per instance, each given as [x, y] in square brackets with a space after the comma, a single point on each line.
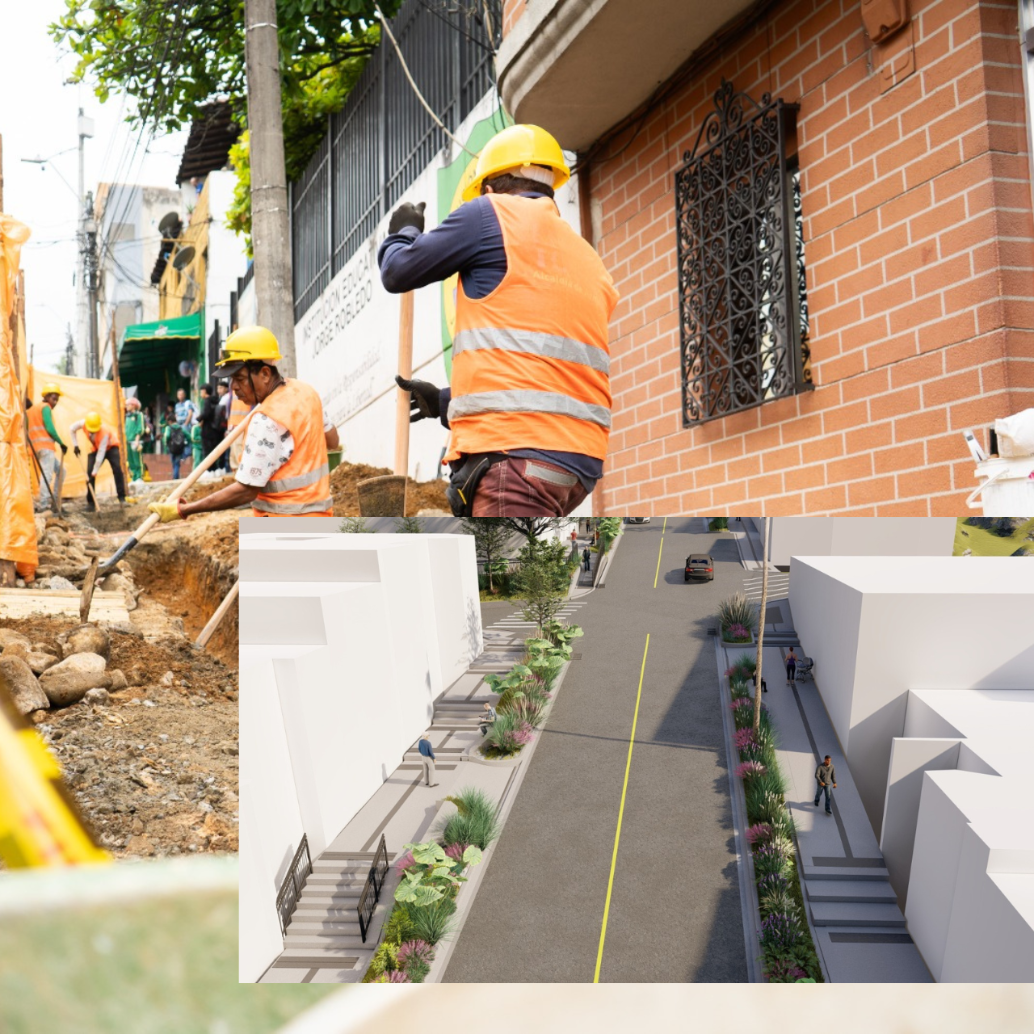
[531, 360]
[302, 484]
[547, 345]
[95, 437]
[238, 411]
[38, 433]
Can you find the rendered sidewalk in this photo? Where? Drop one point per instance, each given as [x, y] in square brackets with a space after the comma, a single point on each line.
[859, 930]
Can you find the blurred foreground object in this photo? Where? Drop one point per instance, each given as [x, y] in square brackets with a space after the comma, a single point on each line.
[39, 822]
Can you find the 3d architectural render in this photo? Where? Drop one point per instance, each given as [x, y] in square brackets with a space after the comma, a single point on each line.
[345, 642]
[927, 675]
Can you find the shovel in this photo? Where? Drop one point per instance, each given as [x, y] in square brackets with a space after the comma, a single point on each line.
[386, 496]
[151, 521]
[89, 487]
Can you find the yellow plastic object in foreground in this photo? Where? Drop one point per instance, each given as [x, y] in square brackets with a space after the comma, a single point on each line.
[38, 823]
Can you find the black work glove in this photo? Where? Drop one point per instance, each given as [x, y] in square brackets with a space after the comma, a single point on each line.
[64, 450]
[76, 451]
[407, 215]
[424, 399]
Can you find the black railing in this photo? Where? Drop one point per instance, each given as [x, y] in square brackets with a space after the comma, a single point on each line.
[382, 138]
[291, 888]
[372, 888]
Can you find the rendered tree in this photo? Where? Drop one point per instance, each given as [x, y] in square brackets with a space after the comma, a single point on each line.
[542, 598]
[408, 526]
[491, 537]
[533, 528]
[354, 526]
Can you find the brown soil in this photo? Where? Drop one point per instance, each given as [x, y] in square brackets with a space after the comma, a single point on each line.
[154, 772]
[420, 495]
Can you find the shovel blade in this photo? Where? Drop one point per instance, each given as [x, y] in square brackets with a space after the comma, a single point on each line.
[383, 496]
[86, 599]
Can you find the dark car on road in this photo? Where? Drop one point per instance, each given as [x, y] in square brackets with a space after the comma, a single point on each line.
[699, 565]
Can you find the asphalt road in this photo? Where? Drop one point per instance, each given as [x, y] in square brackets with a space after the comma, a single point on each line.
[674, 911]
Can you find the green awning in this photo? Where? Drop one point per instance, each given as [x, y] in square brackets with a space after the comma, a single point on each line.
[150, 353]
[179, 327]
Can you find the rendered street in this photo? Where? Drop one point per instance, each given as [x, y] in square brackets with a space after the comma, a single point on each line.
[674, 912]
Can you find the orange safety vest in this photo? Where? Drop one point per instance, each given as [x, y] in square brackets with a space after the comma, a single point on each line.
[96, 436]
[38, 433]
[302, 484]
[531, 361]
[239, 409]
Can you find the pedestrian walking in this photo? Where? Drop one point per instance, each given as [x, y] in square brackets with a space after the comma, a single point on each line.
[104, 445]
[177, 445]
[427, 756]
[211, 432]
[825, 776]
[586, 558]
[46, 441]
[764, 683]
[529, 404]
[791, 667]
[186, 409]
[486, 718]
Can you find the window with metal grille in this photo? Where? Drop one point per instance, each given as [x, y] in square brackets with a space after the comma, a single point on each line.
[742, 304]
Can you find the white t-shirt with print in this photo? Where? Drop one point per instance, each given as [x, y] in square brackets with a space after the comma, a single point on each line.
[268, 445]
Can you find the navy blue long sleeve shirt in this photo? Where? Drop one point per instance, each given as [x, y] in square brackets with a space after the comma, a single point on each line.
[469, 241]
[425, 749]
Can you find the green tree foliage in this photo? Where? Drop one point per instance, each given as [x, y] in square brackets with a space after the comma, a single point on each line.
[491, 535]
[173, 56]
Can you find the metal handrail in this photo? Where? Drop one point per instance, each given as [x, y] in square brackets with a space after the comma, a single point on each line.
[371, 892]
[291, 888]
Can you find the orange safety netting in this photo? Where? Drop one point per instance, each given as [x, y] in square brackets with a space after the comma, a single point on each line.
[79, 396]
[17, 526]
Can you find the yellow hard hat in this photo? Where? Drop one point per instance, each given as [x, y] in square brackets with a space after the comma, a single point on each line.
[514, 147]
[93, 422]
[50, 389]
[245, 344]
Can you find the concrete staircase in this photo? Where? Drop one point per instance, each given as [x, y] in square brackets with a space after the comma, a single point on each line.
[324, 930]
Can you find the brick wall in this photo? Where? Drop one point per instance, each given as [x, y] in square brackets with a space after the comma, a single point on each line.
[919, 244]
[512, 10]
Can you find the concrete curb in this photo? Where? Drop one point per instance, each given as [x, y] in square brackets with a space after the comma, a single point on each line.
[467, 896]
[744, 858]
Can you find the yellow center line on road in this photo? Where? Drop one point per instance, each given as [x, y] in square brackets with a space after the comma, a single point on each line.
[621, 814]
[659, 549]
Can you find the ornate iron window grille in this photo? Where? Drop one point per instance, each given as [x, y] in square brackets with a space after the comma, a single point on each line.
[742, 304]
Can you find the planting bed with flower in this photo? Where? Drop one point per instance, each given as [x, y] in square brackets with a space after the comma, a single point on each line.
[787, 950]
[526, 690]
[430, 876]
[738, 618]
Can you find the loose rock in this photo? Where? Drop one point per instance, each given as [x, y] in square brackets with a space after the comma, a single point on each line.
[97, 696]
[19, 681]
[58, 582]
[88, 639]
[39, 662]
[8, 636]
[68, 682]
[16, 650]
[168, 679]
[118, 679]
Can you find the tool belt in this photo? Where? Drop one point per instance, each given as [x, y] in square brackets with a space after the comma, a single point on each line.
[467, 473]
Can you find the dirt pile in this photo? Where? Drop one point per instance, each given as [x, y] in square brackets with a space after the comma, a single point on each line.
[153, 767]
[420, 495]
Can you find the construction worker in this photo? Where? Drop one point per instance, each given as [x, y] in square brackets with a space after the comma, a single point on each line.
[135, 428]
[46, 441]
[284, 468]
[529, 404]
[104, 445]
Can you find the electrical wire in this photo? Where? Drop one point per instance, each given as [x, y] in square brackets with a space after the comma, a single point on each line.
[420, 97]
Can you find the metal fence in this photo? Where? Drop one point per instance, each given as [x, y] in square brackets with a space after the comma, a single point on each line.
[383, 138]
[291, 889]
[371, 891]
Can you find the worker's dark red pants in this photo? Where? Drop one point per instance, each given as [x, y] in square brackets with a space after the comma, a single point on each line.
[517, 487]
[114, 460]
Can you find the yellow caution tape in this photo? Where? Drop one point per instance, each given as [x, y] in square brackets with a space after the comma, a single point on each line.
[39, 822]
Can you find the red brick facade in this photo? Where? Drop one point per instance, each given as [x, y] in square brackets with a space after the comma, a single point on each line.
[920, 271]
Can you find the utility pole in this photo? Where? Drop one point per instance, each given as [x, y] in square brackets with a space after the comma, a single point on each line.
[270, 225]
[92, 285]
[83, 329]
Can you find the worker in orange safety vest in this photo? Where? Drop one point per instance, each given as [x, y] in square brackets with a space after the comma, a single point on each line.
[46, 441]
[284, 467]
[529, 406]
[104, 445]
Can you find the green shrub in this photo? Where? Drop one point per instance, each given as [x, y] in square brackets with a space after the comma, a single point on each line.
[769, 860]
[738, 610]
[502, 737]
[719, 523]
[475, 822]
[433, 922]
[398, 928]
[778, 901]
[762, 805]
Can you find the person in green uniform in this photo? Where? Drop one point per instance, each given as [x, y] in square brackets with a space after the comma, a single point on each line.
[195, 444]
[134, 438]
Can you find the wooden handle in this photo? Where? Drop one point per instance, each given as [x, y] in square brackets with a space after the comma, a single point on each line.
[405, 371]
[215, 620]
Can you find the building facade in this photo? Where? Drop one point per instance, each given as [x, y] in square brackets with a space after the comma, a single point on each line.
[822, 234]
